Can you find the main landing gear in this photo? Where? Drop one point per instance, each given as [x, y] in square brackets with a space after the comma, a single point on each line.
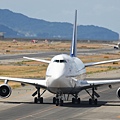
[75, 99]
[38, 99]
[58, 100]
[93, 100]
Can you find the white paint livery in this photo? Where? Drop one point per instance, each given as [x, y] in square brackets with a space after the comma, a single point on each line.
[63, 72]
[65, 75]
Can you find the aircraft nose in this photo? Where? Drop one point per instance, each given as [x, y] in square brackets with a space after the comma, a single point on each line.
[57, 76]
[59, 72]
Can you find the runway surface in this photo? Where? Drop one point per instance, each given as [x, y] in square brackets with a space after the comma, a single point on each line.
[20, 106]
[53, 53]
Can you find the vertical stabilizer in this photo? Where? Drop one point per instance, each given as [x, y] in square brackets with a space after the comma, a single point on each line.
[73, 52]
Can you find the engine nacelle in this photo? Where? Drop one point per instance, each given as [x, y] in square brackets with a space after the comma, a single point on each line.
[115, 47]
[5, 90]
[118, 92]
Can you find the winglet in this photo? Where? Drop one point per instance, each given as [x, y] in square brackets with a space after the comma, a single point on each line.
[73, 52]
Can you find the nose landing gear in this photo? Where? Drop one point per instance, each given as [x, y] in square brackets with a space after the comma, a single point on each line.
[58, 100]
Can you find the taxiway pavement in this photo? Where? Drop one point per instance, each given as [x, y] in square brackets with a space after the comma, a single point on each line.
[20, 106]
[53, 53]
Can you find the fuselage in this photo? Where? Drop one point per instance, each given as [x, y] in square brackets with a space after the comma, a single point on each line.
[63, 73]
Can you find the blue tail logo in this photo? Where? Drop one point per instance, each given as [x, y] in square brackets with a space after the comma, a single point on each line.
[73, 52]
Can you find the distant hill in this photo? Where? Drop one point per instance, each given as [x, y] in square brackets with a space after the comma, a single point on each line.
[19, 25]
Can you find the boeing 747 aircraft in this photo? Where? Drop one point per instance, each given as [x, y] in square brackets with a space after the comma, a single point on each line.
[65, 75]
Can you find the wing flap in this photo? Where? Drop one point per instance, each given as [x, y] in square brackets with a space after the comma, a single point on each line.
[35, 82]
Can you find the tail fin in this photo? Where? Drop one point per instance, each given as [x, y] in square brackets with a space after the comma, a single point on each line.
[73, 52]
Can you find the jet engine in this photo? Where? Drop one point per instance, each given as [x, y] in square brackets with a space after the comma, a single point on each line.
[118, 93]
[5, 90]
[116, 47]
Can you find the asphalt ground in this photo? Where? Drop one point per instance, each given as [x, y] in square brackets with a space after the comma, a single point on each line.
[53, 53]
[20, 105]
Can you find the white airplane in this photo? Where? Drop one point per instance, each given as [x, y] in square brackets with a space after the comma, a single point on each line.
[115, 46]
[65, 75]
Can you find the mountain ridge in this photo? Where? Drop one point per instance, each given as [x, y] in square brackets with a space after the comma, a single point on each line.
[24, 26]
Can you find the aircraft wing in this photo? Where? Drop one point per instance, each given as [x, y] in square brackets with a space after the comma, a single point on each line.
[99, 82]
[40, 60]
[101, 62]
[90, 83]
[34, 82]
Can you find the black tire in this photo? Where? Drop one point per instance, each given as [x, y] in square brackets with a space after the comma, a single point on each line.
[78, 100]
[95, 101]
[54, 100]
[73, 100]
[61, 102]
[35, 100]
[57, 102]
[90, 101]
[38, 100]
[41, 100]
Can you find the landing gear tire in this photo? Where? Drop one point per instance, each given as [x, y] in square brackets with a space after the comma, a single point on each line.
[73, 100]
[57, 102]
[95, 101]
[61, 102]
[38, 100]
[41, 100]
[90, 101]
[35, 100]
[78, 101]
[54, 100]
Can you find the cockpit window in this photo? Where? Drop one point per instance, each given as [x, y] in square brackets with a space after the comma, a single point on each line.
[60, 61]
[56, 61]
[63, 61]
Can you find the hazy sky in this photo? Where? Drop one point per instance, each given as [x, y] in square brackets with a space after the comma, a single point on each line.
[104, 13]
